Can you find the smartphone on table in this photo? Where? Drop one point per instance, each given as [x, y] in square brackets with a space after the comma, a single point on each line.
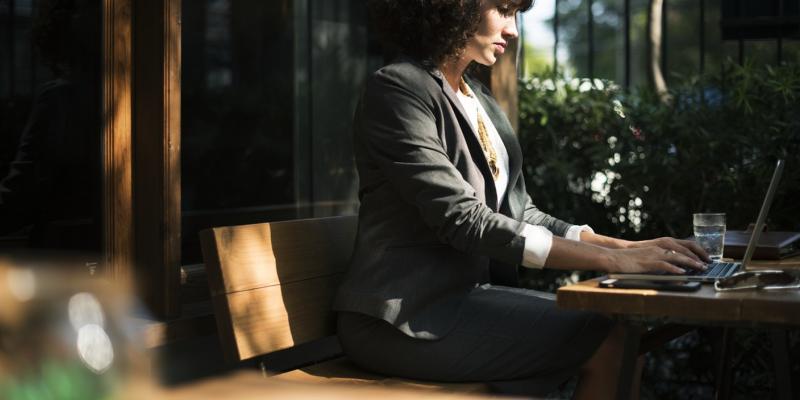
[674, 286]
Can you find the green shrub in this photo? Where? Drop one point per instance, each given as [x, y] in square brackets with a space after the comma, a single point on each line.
[591, 150]
[636, 166]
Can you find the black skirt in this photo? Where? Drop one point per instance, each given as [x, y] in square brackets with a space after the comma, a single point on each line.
[516, 340]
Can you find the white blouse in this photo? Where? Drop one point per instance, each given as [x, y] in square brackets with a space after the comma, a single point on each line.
[538, 240]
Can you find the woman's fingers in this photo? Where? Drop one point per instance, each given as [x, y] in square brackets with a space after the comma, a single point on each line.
[676, 247]
[686, 247]
[696, 249]
[671, 268]
[655, 258]
[683, 260]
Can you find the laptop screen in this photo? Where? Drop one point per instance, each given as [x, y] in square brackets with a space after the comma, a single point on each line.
[762, 215]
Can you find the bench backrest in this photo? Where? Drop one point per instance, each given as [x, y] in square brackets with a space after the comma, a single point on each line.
[272, 284]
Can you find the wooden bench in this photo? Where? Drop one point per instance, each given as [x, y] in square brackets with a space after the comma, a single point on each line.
[272, 285]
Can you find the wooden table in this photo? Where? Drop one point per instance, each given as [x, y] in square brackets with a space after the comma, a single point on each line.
[762, 308]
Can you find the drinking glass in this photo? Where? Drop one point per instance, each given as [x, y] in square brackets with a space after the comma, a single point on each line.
[709, 233]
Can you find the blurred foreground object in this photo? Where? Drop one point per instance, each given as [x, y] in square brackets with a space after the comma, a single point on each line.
[65, 334]
[247, 385]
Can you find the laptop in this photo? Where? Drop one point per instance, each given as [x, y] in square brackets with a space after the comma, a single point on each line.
[719, 270]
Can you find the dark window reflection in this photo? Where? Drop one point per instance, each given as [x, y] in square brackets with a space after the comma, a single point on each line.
[342, 54]
[268, 92]
[237, 104]
[50, 164]
[714, 46]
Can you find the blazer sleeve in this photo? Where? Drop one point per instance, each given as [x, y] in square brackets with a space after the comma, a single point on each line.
[534, 216]
[400, 134]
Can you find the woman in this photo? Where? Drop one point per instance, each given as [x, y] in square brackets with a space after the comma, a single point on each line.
[444, 212]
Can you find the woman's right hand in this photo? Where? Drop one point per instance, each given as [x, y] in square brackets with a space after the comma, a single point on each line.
[651, 259]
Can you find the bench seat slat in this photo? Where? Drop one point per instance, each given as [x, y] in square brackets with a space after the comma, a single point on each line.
[247, 257]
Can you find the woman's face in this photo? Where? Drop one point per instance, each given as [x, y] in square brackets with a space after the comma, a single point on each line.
[498, 24]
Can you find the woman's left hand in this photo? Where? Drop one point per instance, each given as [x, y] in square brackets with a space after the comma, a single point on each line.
[686, 247]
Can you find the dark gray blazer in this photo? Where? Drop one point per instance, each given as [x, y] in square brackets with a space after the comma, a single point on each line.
[428, 220]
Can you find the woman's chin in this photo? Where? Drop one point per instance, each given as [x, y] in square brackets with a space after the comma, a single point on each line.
[487, 60]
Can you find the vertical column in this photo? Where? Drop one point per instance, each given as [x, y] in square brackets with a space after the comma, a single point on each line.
[627, 13]
[555, 36]
[702, 36]
[33, 55]
[117, 150]
[303, 188]
[590, 22]
[664, 37]
[741, 51]
[157, 184]
[11, 27]
[779, 43]
[521, 69]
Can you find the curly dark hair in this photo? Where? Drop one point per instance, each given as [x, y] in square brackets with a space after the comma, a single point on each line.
[430, 30]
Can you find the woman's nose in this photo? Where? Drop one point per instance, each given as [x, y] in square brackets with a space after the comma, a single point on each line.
[510, 28]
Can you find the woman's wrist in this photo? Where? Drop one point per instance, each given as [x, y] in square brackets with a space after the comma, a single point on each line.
[609, 261]
[624, 244]
[604, 241]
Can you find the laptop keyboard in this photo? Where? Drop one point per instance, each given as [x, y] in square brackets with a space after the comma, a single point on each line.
[715, 270]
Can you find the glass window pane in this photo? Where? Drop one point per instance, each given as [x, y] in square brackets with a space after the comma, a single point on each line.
[639, 56]
[269, 90]
[539, 40]
[714, 54]
[682, 38]
[609, 38]
[339, 65]
[237, 109]
[573, 37]
[50, 125]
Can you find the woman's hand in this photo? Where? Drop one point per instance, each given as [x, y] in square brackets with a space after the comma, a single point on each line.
[615, 255]
[686, 247]
[652, 258]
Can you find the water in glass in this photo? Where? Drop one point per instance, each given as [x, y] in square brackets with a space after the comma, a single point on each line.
[711, 238]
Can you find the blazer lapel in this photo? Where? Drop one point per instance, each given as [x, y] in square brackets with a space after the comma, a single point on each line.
[471, 137]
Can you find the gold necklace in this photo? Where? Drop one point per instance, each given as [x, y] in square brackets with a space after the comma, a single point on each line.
[483, 134]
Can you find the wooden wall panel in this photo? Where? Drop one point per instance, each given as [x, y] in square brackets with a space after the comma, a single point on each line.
[117, 149]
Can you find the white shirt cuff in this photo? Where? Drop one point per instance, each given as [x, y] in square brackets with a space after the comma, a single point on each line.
[574, 232]
[538, 241]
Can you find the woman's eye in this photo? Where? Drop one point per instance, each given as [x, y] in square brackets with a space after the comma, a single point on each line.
[505, 10]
